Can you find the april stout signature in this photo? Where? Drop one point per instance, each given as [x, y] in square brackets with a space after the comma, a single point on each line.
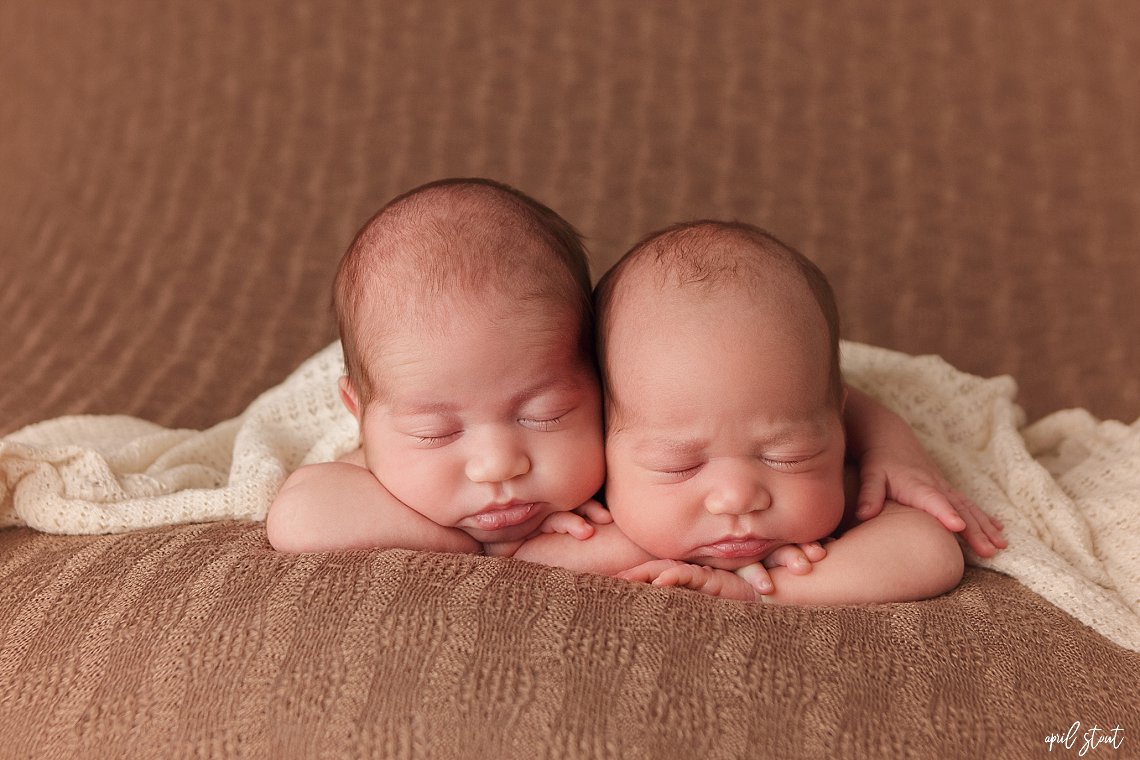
[1091, 739]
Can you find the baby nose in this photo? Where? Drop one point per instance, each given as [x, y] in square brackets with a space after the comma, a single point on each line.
[736, 492]
[496, 459]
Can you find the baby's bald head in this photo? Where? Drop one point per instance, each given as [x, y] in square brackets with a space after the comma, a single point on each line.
[469, 241]
[737, 264]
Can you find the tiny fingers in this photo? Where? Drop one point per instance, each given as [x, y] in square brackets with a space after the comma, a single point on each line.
[992, 526]
[940, 504]
[567, 522]
[757, 577]
[679, 575]
[984, 534]
[872, 494]
[815, 551]
[592, 510]
[995, 534]
[646, 572]
[582, 530]
[792, 557]
[798, 558]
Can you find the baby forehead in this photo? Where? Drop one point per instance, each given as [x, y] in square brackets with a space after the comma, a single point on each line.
[476, 350]
[664, 310]
[524, 308]
[411, 328]
[428, 297]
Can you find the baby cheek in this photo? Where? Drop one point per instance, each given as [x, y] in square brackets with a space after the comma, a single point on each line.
[825, 510]
[654, 532]
[577, 469]
[621, 499]
[417, 480]
[593, 460]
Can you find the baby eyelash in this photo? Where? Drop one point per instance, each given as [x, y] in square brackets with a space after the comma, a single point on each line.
[782, 464]
[431, 440]
[545, 424]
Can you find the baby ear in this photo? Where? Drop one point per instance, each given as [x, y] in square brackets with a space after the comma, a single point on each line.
[348, 396]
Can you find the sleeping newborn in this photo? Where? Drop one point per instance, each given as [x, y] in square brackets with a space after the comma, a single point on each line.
[724, 431]
[464, 311]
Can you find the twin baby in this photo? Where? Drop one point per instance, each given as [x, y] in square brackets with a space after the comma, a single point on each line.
[472, 366]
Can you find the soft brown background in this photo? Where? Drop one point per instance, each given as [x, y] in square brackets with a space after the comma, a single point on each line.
[177, 181]
[180, 176]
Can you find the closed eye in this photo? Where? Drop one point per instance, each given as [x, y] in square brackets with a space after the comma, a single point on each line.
[430, 441]
[543, 424]
[787, 465]
[677, 474]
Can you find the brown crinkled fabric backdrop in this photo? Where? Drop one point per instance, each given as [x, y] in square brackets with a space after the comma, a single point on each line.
[179, 180]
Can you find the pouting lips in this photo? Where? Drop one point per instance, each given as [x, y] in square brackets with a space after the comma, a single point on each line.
[499, 517]
[732, 548]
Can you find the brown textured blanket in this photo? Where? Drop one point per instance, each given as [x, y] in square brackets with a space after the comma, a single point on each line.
[180, 178]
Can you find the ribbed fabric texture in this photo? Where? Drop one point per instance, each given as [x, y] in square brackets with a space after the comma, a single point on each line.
[201, 641]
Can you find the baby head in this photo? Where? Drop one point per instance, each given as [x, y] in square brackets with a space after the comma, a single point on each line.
[464, 311]
[719, 353]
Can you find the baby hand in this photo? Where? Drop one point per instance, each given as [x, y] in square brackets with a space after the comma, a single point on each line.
[911, 478]
[707, 580]
[798, 558]
[593, 511]
[578, 523]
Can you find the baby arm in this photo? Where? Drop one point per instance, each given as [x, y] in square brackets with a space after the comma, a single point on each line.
[339, 506]
[900, 555]
[606, 552]
[894, 465]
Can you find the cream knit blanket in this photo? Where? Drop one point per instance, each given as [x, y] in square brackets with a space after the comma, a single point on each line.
[1066, 487]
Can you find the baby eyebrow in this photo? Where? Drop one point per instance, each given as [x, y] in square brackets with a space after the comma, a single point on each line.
[545, 387]
[423, 409]
[669, 446]
[787, 436]
[681, 447]
[426, 408]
